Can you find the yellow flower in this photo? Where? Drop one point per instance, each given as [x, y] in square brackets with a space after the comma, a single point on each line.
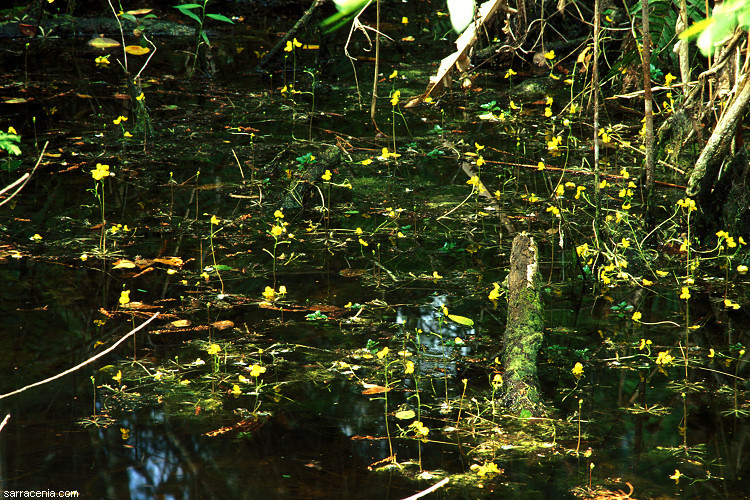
[662, 273]
[685, 293]
[647, 282]
[101, 172]
[540, 166]
[367, 161]
[124, 297]
[363, 242]
[625, 243]
[141, 97]
[560, 190]
[326, 176]
[419, 428]
[676, 476]
[404, 20]
[243, 379]
[296, 43]
[119, 119]
[276, 231]
[582, 249]
[486, 469]
[409, 368]
[495, 293]
[510, 73]
[627, 206]
[711, 353]
[480, 161]
[742, 269]
[513, 105]
[102, 60]
[282, 290]
[37, 237]
[236, 390]
[118, 377]
[553, 209]
[393, 75]
[664, 358]
[637, 316]
[579, 190]
[127, 134]
[382, 353]
[256, 370]
[687, 203]
[289, 47]
[474, 181]
[550, 55]
[269, 293]
[577, 371]
[435, 275]
[669, 78]
[214, 220]
[394, 98]
[547, 112]
[213, 349]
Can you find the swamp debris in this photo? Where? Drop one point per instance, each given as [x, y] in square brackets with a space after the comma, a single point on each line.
[460, 58]
[303, 21]
[524, 328]
[301, 192]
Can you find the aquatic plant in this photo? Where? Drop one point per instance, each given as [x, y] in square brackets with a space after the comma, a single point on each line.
[201, 38]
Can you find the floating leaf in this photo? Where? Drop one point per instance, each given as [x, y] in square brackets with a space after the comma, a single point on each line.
[123, 264]
[375, 389]
[461, 320]
[103, 43]
[137, 50]
[14, 100]
[138, 12]
[405, 415]
[180, 323]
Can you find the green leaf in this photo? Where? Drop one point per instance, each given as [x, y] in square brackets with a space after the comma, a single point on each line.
[188, 6]
[219, 17]
[404, 415]
[461, 320]
[189, 13]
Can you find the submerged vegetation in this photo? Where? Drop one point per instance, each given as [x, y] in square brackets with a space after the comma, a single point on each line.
[336, 273]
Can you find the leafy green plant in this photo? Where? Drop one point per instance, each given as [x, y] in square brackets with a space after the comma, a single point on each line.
[201, 37]
[9, 142]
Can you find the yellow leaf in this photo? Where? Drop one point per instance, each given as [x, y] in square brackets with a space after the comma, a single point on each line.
[103, 43]
[405, 415]
[137, 50]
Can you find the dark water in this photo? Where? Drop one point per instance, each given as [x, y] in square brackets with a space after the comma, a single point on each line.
[315, 435]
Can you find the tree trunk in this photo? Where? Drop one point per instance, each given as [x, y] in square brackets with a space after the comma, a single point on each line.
[524, 328]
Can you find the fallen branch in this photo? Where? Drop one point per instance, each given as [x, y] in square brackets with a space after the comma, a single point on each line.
[23, 179]
[260, 68]
[467, 40]
[428, 490]
[81, 365]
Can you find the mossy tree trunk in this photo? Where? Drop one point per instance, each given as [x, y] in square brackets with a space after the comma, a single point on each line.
[524, 328]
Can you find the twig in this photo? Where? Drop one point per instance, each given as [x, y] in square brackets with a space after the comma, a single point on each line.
[5, 421]
[23, 179]
[428, 490]
[81, 365]
[290, 34]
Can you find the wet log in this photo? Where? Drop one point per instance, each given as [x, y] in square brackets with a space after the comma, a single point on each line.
[524, 329]
[301, 194]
